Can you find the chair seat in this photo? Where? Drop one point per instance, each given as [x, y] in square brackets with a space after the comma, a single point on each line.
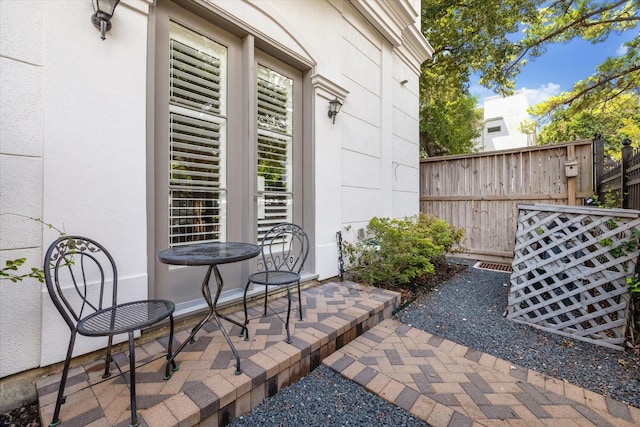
[274, 278]
[127, 317]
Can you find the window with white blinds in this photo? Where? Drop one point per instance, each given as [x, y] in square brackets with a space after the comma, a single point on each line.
[275, 140]
[197, 138]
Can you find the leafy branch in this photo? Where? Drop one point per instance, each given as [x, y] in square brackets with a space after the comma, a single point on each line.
[12, 265]
[10, 270]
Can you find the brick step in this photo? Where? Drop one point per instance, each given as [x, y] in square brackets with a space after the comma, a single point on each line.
[205, 389]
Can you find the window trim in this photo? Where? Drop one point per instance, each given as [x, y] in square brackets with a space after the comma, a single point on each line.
[246, 51]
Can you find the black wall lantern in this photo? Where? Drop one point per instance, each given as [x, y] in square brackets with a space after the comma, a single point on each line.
[103, 13]
[334, 108]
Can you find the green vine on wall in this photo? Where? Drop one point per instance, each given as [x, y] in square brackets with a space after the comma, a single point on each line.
[12, 266]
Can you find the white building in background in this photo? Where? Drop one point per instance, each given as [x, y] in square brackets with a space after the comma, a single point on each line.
[502, 119]
[91, 134]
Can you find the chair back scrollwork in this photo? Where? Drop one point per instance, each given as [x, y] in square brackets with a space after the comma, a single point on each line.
[285, 247]
[81, 277]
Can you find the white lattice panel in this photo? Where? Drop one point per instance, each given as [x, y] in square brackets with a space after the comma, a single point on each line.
[569, 271]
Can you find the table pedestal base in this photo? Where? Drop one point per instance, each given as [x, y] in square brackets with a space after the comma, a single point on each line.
[213, 313]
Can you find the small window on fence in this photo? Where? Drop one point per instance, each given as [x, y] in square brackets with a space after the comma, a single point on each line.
[494, 129]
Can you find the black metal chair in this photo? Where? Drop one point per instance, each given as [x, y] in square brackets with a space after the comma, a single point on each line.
[82, 281]
[284, 250]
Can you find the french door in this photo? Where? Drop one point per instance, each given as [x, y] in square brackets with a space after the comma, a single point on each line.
[226, 149]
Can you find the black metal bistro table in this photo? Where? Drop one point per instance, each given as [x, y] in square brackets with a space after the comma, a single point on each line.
[210, 254]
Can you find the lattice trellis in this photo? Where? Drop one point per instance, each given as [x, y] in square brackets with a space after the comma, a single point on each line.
[569, 271]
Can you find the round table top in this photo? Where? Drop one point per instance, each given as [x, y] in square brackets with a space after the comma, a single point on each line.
[208, 253]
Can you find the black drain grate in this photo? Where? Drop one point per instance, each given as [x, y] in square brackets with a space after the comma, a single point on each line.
[493, 266]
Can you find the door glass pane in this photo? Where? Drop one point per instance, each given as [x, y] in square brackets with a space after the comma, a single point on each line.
[198, 71]
[275, 145]
[196, 179]
[197, 138]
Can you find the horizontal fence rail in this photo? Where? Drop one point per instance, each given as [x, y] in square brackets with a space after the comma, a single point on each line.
[481, 192]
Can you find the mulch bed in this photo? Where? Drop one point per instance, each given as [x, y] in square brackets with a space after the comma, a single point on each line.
[24, 416]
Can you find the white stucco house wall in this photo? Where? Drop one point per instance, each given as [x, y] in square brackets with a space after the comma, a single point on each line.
[90, 137]
[501, 122]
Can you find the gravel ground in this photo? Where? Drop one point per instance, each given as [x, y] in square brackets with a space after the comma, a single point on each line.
[325, 398]
[466, 309]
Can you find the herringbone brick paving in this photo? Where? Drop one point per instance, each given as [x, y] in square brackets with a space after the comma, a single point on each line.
[205, 389]
[447, 384]
[344, 327]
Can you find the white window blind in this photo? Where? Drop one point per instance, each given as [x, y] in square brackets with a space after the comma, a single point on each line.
[197, 137]
[275, 141]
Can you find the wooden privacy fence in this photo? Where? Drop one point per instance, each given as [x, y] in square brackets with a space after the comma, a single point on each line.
[480, 192]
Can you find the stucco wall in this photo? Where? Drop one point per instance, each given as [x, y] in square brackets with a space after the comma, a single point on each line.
[380, 139]
[74, 131]
[21, 140]
[73, 153]
[95, 144]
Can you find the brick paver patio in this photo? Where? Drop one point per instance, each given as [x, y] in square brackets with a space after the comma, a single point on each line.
[205, 389]
[447, 384]
[344, 327]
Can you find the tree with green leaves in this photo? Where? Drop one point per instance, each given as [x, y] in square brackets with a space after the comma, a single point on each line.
[467, 37]
[449, 118]
[615, 120]
[608, 101]
[496, 39]
[563, 20]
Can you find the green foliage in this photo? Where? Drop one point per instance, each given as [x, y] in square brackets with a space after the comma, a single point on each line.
[634, 285]
[565, 20]
[622, 247]
[11, 268]
[610, 201]
[449, 117]
[467, 37]
[395, 252]
[481, 37]
[475, 36]
[617, 119]
[634, 318]
[592, 104]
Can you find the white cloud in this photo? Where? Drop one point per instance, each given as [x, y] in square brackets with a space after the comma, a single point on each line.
[622, 50]
[544, 92]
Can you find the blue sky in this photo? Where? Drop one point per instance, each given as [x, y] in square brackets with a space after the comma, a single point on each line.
[560, 67]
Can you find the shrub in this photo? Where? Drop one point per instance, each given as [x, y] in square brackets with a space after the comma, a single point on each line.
[398, 252]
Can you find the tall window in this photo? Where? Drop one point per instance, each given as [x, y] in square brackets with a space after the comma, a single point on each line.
[197, 138]
[275, 144]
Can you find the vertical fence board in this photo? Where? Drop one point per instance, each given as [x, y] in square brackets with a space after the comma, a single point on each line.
[480, 192]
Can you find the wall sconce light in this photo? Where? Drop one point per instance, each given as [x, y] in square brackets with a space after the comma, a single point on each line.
[334, 108]
[103, 12]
